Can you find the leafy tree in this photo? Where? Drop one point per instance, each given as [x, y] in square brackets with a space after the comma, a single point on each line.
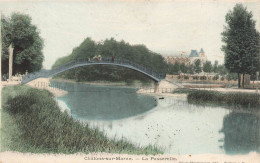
[207, 67]
[26, 41]
[87, 49]
[231, 76]
[222, 70]
[215, 67]
[174, 69]
[191, 69]
[197, 66]
[121, 50]
[242, 43]
[183, 68]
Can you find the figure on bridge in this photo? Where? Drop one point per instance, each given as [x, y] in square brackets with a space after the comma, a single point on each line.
[99, 57]
[112, 58]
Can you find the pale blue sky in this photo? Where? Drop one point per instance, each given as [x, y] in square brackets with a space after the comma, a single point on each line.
[164, 27]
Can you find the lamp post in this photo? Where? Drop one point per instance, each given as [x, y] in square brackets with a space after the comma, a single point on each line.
[11, 49]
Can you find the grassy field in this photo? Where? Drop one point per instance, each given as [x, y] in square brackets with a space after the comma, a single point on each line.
[32, 122]
[234, 99]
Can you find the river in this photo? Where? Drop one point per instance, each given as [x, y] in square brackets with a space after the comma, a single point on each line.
[168, 122]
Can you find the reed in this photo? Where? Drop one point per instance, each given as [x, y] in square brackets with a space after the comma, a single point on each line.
[235, 99]
[183, 90]
[39, 126]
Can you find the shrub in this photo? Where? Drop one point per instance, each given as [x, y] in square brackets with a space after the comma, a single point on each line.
[195, 78]
[183, 90]
[215, 77]
[237, 99]
[203, 78]
[232, 76]
[186, 77]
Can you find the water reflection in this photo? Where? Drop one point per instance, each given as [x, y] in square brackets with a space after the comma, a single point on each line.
[104, 103]
[242, 133]
[171, 123]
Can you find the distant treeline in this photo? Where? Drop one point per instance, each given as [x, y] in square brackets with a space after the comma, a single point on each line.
[89, 49]
[140, 54]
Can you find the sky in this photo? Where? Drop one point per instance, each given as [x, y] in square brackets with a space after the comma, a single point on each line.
[165, 27]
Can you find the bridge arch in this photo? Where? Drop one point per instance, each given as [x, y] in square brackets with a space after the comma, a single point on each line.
[157, 77]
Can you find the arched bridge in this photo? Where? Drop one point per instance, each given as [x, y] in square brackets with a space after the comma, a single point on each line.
[85, 62]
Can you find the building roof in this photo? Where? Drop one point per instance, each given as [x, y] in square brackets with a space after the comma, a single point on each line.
[202, 51]
[194, 53]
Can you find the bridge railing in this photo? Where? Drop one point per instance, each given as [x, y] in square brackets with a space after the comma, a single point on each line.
[47, 73]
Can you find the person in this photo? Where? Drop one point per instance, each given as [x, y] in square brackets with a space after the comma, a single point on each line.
[113, 57]
[99, 57]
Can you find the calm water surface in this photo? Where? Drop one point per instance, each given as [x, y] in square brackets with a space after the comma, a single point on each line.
[170, 123]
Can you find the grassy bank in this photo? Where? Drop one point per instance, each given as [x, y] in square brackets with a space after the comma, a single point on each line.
[234, 99]
[32, 122]
[183, 91]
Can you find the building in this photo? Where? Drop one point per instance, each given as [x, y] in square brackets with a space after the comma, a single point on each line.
[182, 58]
[194, 56]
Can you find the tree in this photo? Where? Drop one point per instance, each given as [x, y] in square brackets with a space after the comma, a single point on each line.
[27, 43]
[191, 69]
[222, 70]
[207, 67]
[215, 67]
[197, 67]
[242, 43]
[183, 68]
[139, 54]
[174, 69]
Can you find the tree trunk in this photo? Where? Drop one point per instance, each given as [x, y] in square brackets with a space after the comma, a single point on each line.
[238, 74]
[243, 81]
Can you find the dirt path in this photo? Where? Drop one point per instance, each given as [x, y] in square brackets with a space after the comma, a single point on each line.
[230, 90]
[43, 83]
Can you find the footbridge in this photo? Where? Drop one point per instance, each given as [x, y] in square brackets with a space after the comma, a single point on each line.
[157, 77]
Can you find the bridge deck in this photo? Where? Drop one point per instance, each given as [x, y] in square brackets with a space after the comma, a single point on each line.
[85, 62]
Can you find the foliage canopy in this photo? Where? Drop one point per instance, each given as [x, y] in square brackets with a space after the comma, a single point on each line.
[19, 31]
[89, 49]
[242, 42]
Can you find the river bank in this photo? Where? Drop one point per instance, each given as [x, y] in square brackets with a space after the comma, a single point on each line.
[38, 126]
[44, 83]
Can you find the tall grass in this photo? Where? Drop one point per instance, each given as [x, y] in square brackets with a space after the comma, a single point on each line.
[236, 99]
[183, 90]
[41, 126]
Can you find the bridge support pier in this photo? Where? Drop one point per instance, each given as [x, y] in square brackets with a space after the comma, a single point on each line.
[156, 86]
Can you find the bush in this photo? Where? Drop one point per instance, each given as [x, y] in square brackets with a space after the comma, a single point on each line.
[182, 90]
[186, 77]
[232, 76]
[195, 78]
[215, 77]
[222, 78]
[245, 100]
[203, 78]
